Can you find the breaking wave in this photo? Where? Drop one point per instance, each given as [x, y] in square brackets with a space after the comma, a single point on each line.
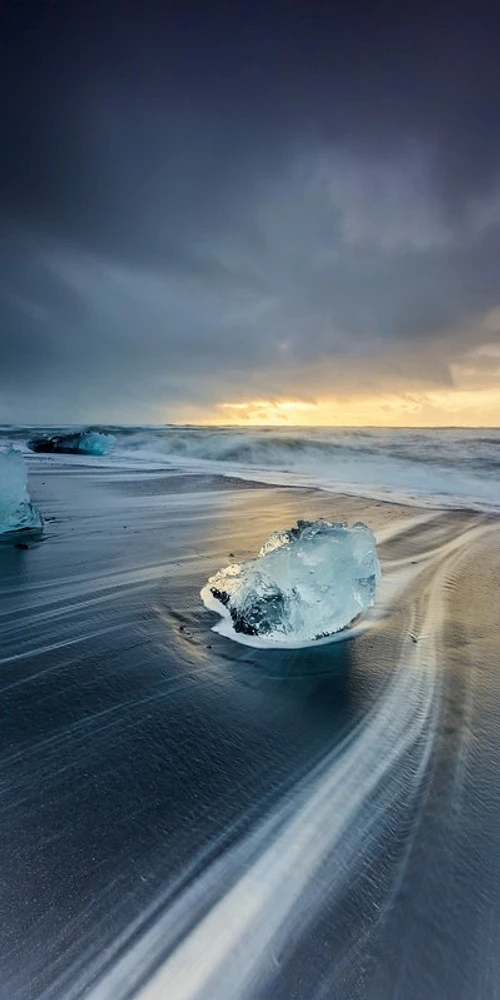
[444, 467]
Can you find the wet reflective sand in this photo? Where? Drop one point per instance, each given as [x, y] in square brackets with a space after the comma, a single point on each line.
[189, 818]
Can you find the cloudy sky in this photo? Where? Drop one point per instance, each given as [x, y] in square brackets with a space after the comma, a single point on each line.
[250, 212]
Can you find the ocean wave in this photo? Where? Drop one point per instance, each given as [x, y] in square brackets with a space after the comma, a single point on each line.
[446, 467]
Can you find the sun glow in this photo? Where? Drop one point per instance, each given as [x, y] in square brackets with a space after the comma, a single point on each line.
[269, 411]
[467, 407]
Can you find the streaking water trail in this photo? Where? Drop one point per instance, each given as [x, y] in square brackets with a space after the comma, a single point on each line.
[156, 779]
[227, 934]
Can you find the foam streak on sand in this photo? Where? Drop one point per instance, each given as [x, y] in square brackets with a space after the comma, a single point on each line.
[227, 934]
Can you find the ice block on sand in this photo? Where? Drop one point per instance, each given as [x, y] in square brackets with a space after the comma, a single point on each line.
[78, 443]
[16, 510]
[306, 583]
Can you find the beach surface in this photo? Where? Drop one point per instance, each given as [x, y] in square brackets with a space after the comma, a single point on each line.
[189, 818]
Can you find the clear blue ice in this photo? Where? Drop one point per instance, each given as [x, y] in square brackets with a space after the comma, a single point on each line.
[306, 583]
[74, 443]
[16, 510]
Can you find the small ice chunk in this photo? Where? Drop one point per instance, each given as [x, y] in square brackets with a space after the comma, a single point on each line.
[16, 510]
[307, 582]
[78, 443]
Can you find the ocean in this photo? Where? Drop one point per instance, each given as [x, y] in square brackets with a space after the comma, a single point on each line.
[438, 467]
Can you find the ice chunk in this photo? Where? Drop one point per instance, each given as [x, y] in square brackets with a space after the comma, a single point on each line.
[307, 582]
[16, 510]
[78, 443]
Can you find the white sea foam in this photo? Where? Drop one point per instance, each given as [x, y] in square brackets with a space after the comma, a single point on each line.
[437, 467]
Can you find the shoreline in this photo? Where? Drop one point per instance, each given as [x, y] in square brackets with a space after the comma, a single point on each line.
[156, 470]
[414, 466]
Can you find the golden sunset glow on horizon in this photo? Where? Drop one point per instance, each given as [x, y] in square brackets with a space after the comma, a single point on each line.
[405, 390]
[477, 407]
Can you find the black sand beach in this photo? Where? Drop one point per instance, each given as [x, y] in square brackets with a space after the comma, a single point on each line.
[187, 818]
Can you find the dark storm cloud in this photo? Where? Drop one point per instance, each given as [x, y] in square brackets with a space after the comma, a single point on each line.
[198, 201]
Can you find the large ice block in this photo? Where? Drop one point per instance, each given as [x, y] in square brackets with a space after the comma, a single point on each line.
[16, 510]
[76, 443]
[307, 582]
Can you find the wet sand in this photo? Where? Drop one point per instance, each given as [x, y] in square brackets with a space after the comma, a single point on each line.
[189, 818]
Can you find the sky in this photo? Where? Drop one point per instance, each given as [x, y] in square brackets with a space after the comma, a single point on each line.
[250, 213]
